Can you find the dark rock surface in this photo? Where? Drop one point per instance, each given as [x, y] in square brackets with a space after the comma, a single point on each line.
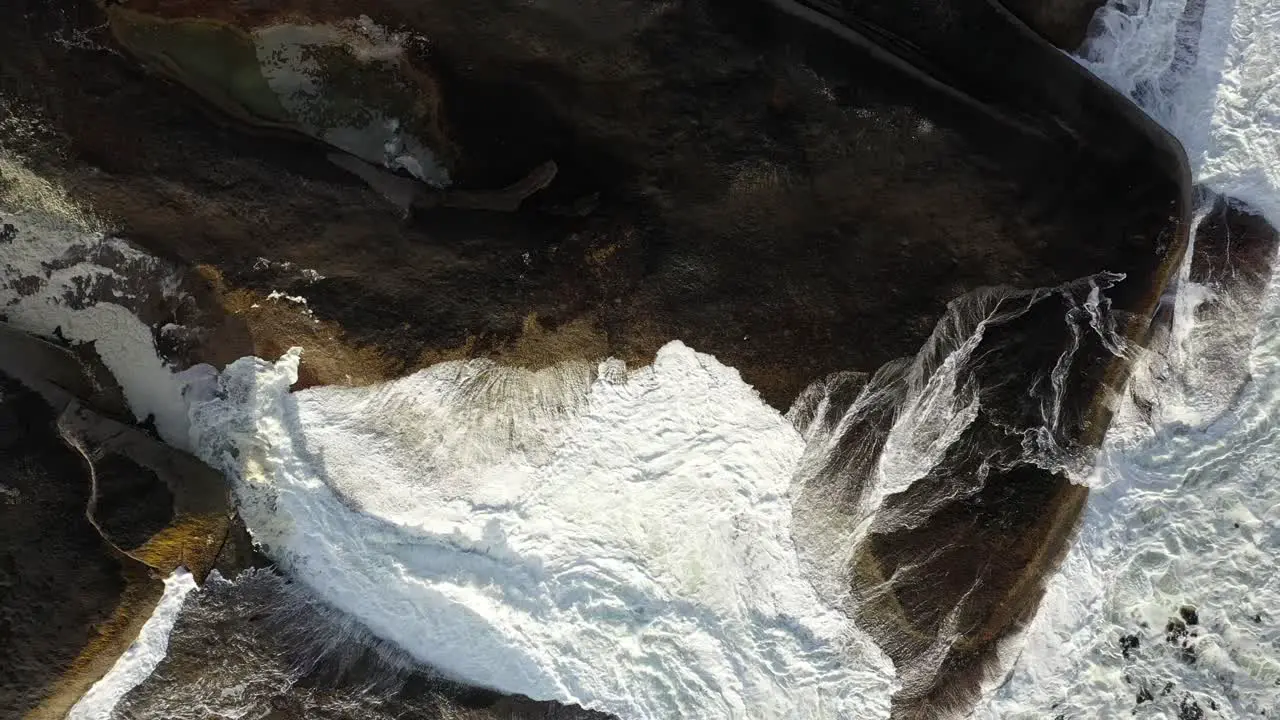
[1235, 248]
[189, 529]
[58, 580]
[759, 192]
[129, 496]
[1062, 22]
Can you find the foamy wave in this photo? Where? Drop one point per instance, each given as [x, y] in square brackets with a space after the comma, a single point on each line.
[1183, 526]
[62, 272]
[1168, 603]
[1205, 69]
[136, 664]
[623, 542]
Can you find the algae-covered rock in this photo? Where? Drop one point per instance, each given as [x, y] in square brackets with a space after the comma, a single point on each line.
[348, 83]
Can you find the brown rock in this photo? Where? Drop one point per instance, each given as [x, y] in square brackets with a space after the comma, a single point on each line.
[82, 549]
[796, 189]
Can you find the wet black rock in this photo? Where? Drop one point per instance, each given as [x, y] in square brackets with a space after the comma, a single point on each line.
[91, 508]
[57, 582]
[133, 504]
[1128, 643]
[1182, 638]
[1189, 615]
[1189, 709]
[1062, 22]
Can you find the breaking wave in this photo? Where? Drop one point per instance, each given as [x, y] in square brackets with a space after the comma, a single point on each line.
[649, 542]
[1167, 604]
[658, 542]
[623, 539]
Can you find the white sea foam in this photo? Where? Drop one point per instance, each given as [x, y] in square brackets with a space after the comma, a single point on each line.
[1181, 515]
[1206, 70]
[590, 535]
[61, 271]
[586, 534]
[1186, 505]
[136, 664]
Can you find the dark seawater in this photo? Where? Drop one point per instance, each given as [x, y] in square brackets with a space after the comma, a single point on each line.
[263, 646]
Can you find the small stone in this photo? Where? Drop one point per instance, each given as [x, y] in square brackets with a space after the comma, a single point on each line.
[1128, 643]
[1187, 654]
[1188, 613]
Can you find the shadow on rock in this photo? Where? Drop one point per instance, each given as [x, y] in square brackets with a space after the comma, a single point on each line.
[75, 504]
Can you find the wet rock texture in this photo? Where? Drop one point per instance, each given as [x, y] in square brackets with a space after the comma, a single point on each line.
[57, 579]
[1063, 22]
[93, 509]
[758, 192]
[798, 189]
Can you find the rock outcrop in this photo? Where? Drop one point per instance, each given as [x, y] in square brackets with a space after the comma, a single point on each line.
[85, 535]
[796, 188]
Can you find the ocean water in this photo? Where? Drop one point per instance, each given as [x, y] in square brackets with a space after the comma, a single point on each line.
[1169, 603]
[1206, 70]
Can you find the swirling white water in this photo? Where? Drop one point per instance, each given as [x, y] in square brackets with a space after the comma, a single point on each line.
[1186, 506]
[586, 534]
[614, 539]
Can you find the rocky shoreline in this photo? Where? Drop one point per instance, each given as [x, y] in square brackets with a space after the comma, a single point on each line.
[69, 463]
[796, 189]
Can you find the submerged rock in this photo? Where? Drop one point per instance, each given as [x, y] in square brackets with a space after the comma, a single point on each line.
[1129, 643]
[340, 79]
